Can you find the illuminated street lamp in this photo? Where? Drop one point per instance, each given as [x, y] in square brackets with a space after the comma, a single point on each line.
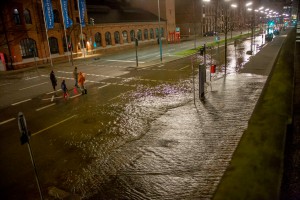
[159, 32]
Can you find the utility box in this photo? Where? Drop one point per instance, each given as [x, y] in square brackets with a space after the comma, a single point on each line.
[213, 69]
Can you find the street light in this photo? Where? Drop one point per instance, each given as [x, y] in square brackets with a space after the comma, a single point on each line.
[226, 30]
[159, 32]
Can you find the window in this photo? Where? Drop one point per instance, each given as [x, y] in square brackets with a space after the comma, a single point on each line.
[139, 34]
[151, 33]
[16, 16]
[56, 16]
[75, 5]
[156, 33]
[27, 17]
[97, 40]
[28, 48]
[125, 36]
[146, 34]
[53, 45]
[117, 37]
[108, 38]
[132, 35]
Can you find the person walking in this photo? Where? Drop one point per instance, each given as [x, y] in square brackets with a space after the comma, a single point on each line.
[81, 80]
[53, 80]
[75, 75]
[64, 89]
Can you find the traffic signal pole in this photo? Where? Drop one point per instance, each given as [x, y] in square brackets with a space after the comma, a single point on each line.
[25, 136]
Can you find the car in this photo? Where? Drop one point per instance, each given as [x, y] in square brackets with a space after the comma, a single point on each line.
[210, 33]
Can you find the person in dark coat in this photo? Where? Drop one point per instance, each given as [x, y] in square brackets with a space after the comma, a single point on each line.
[64, 89]
[53, 80]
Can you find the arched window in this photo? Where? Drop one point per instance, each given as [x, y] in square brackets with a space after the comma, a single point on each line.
[75, 4]
[53, 45]
[69, 42]
[56, 16]
[108, 38]
[125, 36]
[139, 34]
[28, 48]
[146, 34]
[132, 35]
[156, 33]
[97, 42]
[16, 16]
[27, 17]
[117, 37]
[151, 33]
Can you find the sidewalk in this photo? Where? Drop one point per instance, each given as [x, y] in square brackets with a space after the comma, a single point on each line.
[256, 167]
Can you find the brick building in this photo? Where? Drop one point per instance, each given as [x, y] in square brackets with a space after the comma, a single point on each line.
[110, 25]
[24, 38]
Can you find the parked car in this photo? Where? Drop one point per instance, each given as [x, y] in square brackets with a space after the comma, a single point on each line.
[210, 33]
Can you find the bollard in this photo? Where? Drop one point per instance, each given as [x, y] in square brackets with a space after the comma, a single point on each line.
[202, 75]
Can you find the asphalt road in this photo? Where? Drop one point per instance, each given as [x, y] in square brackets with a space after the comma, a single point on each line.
[54, 123]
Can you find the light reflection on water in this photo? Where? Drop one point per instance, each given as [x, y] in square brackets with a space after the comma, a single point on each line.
[153, 143]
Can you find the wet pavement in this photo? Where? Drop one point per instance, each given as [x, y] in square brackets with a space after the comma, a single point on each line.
[144, 136]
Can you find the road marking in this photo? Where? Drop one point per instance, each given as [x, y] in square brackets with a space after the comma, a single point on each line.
[51, 98]
[53, 125]
[184, 67]
[77, 95]
[53, 91]
[124, 61]
[6, 121]
[104, 86]
[33, 86]
[29, 78]
[20, 102]
[5, 84]
[45, 107]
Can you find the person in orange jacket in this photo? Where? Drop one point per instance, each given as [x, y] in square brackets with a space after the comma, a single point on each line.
[81, 80]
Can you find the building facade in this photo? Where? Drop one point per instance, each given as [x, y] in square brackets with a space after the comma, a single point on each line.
[109, 26]
[24, 37]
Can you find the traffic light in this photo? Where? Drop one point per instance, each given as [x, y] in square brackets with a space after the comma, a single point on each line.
[92, 21]
[271, 23]
[202, 50]
[69, 46]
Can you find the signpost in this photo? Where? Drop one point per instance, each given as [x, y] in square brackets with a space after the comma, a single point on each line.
[25, 136]
[136, 54]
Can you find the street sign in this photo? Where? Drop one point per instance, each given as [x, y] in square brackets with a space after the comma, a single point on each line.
[23, 128]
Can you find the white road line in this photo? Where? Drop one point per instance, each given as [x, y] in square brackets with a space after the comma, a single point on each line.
[5, 84]
[51, 98]
[124, 61]
[104, 86]
[53, 91]
[20, 102]
[53, 125]
[6, 121]
[29, 78]
[33, 86]
[77, 95]
[45, 107]
[184, 67]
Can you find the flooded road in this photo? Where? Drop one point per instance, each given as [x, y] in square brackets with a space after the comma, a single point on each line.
[153, 142]
[141, 135]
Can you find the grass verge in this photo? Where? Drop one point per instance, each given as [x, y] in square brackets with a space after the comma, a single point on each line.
[256, 168]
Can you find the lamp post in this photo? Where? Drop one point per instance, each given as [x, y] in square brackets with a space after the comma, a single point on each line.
[159, 32]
